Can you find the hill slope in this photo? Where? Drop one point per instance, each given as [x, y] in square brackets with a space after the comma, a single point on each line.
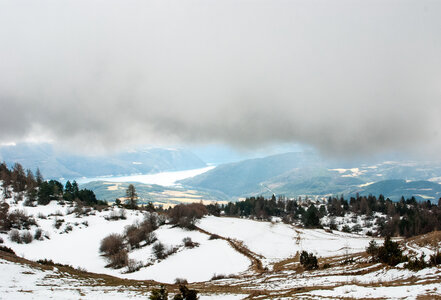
[55, 164]
[246, 177]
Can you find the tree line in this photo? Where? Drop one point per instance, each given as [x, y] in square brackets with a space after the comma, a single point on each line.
[37, 190]
[407, 217]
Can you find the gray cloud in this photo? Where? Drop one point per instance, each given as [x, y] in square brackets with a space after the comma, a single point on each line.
[343, 76]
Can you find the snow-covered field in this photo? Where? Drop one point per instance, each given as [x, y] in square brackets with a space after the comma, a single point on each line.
[18, 281]
[80, 247]
[278, 241]
[76, 242]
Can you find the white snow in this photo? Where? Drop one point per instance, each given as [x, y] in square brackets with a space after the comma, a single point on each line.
[277, 241]
[80, 247]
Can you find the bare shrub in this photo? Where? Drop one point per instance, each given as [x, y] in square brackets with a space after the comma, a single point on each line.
[14, 235]
[38, 234]
[112, 244]
[26, 237]
[151, 238]
[181, 281]
[218, 276]
[58, 223]
[185, 215]
[189, 243]
[68, 228]
[19, 220]
[118, 260]
[159, 250]
[40, 215]
[116, 215]
[133, 266]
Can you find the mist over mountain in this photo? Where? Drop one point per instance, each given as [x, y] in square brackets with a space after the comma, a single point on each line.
[54, 163]
[306, 173]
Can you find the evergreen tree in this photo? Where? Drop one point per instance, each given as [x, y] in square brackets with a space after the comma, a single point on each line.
[159, 294]
[131, 196]
[311, 217]
[39, 177]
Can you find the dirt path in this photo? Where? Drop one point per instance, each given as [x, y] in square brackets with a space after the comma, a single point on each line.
[256, 263]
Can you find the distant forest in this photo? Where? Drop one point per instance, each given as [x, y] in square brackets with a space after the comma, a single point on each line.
[407, 217]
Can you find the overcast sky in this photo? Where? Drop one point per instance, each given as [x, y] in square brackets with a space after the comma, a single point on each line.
[343, 77]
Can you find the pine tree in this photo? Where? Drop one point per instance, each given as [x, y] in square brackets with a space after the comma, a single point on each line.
[132, 196]
[39, 177]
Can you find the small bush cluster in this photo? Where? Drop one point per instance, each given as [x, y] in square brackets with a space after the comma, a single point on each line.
[133, 266]
[24, 238]
[184, 293]
[137, 233]
[58, 223]
[38, 235]
[308, 260]
[116, 215]
[159, 294]
[112, 244]
[161, 252]
[218, 276]
[186, 215]
[188, 243]
[68, 228]
[18, 219]
[115, 247]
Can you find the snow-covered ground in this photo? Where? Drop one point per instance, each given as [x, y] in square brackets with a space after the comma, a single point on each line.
[80, 247]
[162, 178]
[18, 281]
[270, 242]
[278, 241]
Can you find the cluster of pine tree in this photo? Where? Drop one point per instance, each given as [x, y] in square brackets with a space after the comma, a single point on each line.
[36, 189]
[403, 218]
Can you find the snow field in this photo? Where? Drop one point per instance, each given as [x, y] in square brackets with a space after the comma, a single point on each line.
[278, 241]
[80, 247]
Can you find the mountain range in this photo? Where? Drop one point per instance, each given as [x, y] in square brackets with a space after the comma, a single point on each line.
[56, 164]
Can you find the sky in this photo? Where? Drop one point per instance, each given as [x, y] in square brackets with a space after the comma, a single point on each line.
[344, 77]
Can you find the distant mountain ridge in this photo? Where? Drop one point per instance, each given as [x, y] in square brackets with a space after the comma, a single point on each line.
[396, 188]
[54, 164]
[303, 173]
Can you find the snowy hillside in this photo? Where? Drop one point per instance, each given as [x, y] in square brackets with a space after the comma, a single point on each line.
[229, 258]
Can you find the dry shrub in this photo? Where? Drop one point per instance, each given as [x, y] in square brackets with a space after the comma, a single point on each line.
[112, 244]
[133, 266]
[189, 243]
[118, 260]
[218, 276]
[19, 220]
[26, 237]
[14, 235]
[185, 215]
[181, 281]
[159, 250]
[38, 234]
